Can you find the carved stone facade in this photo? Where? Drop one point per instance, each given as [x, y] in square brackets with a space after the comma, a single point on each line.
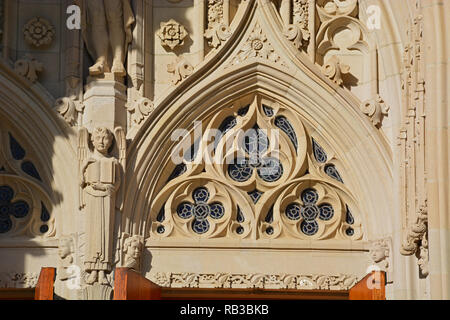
[273, 144]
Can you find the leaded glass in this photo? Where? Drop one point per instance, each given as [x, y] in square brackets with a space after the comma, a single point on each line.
[239, 230]
[161, 215]
[200, 195]
[309, 228]
[326, 212]
[349, 217]
[333, 172]
[161, 229]
[240, 217]
[43, 228]
[310, 196]
[243, 111]
[284, 124]
[201, 211]
[45, 215]
[17, 151]
[18, 209]
[217, 211]
[350, 232]
[271, 171]
[256, 142]
[200, 227]
[228, 124]
[269, 216]
[293, 211]
[319, 153]
[178, 171]
[268, 111]
[255, 195]
[30, 170]
[310, 212]
[185, 210]
[240, 171]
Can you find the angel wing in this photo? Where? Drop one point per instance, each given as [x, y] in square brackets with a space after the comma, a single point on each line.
[83, 151]
[121, 142]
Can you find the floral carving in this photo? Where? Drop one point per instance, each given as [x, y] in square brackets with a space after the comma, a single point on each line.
[18, 280]
[38, 32]
[256, 46]
[69, 109]
[255, 280]
[180, 69]
[172, 34]
[217, 31]
[334, 70]
[28, 67]
[375, 109]
[139, 109]
[298, 32]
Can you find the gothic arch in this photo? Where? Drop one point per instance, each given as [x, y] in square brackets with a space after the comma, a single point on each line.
[43, 157]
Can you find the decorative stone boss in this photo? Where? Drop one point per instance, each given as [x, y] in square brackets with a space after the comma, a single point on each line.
[106, 25]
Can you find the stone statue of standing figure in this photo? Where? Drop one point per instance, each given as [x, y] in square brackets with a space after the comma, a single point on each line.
[106, 29]
[100, 179]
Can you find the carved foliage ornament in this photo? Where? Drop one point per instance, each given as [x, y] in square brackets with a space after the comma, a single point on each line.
[261, 281]
[334, 70]
[70, 109]
[217, 31]
[298, 32]
[139, 109]
[375, 109]
[172, 34]
[180, 69]
[28, 67]
[261, 178]
[38, 32]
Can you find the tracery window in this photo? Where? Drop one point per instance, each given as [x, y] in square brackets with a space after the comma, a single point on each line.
[255, 173]
[25, 207]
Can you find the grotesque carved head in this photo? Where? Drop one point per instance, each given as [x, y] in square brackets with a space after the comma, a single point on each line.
[102, 139]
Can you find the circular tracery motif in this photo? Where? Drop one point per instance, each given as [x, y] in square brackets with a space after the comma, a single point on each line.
[18, 209]
[309, 212]
[200, 210]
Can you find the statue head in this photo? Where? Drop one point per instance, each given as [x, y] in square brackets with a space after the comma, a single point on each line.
[65, 247]
[102, 139]
[132, 248]
[379, 251]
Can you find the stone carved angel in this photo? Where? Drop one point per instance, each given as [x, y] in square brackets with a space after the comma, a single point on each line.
[106, 29]
[100, 179]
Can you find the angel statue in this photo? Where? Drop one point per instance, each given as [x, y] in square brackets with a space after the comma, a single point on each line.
[106, 29]
[100, 179]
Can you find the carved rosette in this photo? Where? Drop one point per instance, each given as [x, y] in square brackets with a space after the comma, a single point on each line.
[38, 32]
[172, 34]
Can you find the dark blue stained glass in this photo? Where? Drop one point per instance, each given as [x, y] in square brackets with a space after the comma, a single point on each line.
[350, 232]
[293, 211]
[45, 215]
[200, 195]
[256, 142]
[217, 210]
[200, 227]
[30, 170]
[326, 212]
[309, 228]
[5, 225]
[268, 111]
[333, 172]
[178, 171]
[240, 171]
[349, 217]
[271, 171]
[161, 215]
[255, 195]
[43, 228]
[185, 210]
[284, 124]
[201, 211]
[269, 216]
[161, 229]
[17, 151]
[319, 153]
[269, 230]
[310, 196]
[243, 111]
[240, 217]
[228, 124]
[310, 212]
[19, 209]
[6, 194]
[240, 230]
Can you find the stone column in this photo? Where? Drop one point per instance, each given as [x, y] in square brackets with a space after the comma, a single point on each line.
[105, 99]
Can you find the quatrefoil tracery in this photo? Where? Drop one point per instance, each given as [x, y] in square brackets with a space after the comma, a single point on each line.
[18, 209]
